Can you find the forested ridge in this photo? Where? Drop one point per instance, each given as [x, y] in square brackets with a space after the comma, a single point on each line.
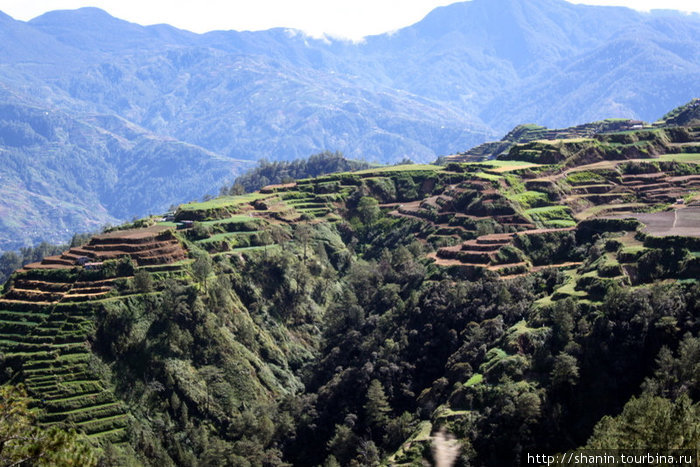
[528, 304]
[278, 172]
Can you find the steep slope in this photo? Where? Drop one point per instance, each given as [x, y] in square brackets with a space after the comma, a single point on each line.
[62, 175]
[419, 92]
[349, 318]
[619, 78]
[688, 114]
[222, 91]
[480, 49]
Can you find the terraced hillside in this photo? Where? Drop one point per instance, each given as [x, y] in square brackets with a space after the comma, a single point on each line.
[582, 216]
[205, 323]
[482, 215]
[152, 246]
[528, 133]
[48, 318]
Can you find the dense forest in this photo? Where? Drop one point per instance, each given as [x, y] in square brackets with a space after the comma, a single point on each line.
[383, 344]
[277, 172]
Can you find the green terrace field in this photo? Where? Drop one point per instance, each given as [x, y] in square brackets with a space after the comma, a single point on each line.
[223, 202]
[500, 166]
[227, 236]
[240, 219]
[49, 345]
[49, 316]
[552, 216]
[683, 157]
[488, 176]
[397, 168]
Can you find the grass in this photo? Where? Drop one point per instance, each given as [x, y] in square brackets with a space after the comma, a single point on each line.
[475, 379]
[308, 205]
[584, 177]
[445, 413]
[226, 236]
[223, 202]
[254, 248]
[420, 435]
[397, 168]
[530, 199]
[559, 223]
[501, 163]
[567, 289]
[552, 216]
[488, 176]
[549, 211]
[594, 210]
[683, 157]
[236, 219]
[500, 166]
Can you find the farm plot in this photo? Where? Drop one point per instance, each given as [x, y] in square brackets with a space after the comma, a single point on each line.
[53, 357]
[681, 222]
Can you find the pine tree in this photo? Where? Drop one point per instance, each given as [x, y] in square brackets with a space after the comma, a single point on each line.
[23, 443]
[377, 408]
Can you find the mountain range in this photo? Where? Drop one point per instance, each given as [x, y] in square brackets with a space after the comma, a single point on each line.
[118, 94]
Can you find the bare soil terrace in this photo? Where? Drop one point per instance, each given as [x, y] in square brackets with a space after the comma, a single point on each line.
[682, 222]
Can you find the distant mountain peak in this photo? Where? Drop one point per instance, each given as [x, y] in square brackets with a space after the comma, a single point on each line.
[5, 17]
[93, 29]
[80, 14]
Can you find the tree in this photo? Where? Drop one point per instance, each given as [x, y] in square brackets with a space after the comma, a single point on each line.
[237, 189]
[342, 444]
[143, 281]
[23, 443]
[649, 421]
[368, 209]
[211, 375]
[278, 233]
[367, 454]
[565, 370]
[201, 230]
[302, 234]
[377, 408]
[201, 268]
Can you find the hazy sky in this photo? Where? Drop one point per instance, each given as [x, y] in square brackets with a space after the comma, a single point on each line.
[341, 18]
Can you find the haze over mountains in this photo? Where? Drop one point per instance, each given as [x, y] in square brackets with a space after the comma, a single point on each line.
[113, 103]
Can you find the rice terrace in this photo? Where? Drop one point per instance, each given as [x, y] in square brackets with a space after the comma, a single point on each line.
[533, 296]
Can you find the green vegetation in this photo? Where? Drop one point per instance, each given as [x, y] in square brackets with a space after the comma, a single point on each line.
[222, 202]
[683, 157]
[23, 443]
[531, 199]
[400, 168]
[552, 216]
[584, 177]
[349, 319]
[280, 172]
[488, 176]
